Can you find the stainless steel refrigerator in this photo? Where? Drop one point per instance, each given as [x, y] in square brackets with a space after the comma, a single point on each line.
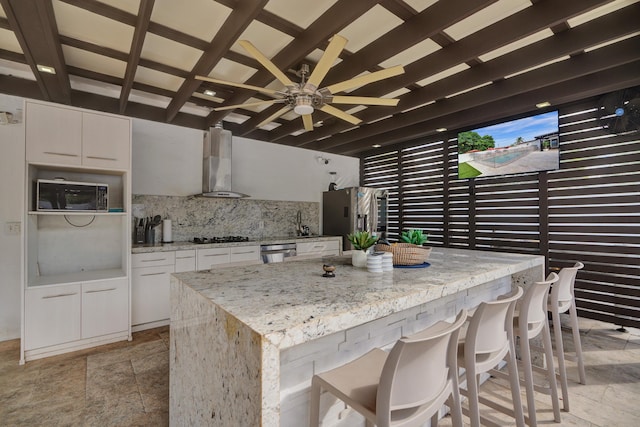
[354, 209]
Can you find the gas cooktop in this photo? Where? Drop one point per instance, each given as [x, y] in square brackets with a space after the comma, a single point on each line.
[224, 239]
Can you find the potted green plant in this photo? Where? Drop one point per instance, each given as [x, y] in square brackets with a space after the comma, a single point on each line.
[362, 241]
[415, 237]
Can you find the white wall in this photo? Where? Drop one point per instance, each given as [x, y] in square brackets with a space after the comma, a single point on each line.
[11, 211]
[167, 160]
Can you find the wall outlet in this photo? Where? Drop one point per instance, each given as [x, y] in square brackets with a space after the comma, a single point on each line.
[11, 228]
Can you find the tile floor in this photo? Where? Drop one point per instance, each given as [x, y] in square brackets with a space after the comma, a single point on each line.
[127, 384]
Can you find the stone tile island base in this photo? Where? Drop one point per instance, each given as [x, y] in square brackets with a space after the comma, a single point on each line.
[246, 341]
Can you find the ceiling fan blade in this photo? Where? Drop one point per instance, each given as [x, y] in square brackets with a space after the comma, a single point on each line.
[366, 79]
[241, 85]
[274, 116]
[248, 104]
[365, 100]
[308, 122]
[266, 62]
[340, 114]
[329, 56]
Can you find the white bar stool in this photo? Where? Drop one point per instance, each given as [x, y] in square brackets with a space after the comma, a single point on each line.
[561, 300]
[530, 321]
[488, 340]
[404, 387]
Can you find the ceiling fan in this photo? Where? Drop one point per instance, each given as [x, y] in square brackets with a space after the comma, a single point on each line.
[306, 96]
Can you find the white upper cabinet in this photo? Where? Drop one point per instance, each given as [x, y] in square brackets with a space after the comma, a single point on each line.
[64, 136]
[105, 141]
[53, 134]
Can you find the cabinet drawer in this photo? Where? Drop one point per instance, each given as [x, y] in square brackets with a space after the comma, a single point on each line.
[206, 258]
[153, 259]
[185, 261]
[105, 307]
[150, 294]
[52, 316]
[329, 247]
[244, 253]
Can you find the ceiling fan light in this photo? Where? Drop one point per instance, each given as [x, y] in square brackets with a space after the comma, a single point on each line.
[303, 105]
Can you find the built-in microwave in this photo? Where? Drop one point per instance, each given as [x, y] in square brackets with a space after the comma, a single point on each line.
[60, 195]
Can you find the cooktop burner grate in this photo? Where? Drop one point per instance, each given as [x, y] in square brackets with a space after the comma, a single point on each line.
[224, 239]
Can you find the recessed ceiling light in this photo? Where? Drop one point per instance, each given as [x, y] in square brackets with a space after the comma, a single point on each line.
[46, 69]
[441, 129]
[376, 145]
[210, 92]
[543, 104]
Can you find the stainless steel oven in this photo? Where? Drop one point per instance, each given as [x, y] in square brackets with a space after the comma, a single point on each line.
[277, 253]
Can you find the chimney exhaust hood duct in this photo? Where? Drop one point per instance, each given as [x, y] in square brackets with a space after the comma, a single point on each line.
[216, 164]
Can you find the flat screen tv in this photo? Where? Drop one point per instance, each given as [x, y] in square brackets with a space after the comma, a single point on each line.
[529, 144]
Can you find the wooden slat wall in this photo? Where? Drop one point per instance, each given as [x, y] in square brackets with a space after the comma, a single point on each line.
[587, 211]
[594, 215]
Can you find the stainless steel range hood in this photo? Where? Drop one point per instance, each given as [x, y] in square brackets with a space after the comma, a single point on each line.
[216, 164]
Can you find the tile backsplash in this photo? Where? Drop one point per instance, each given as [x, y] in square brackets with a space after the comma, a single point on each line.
[194, 216]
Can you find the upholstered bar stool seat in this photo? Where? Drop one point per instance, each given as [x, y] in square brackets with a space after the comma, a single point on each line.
[405, 387]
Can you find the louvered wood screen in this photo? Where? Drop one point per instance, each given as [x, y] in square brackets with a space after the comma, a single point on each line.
[587, 211]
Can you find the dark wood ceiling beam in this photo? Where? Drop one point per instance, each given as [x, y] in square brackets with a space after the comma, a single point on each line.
[233, 27]
[566, 92]
[606, 28]
[34, 25]
[399, 8]
[416, 29]
[4, 23]
[139, 33]
[338, 16]
[524, 23]
[593, 62]
[16, 86]
[12, 56]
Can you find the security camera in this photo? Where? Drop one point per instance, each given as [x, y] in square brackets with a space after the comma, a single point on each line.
[322, 160]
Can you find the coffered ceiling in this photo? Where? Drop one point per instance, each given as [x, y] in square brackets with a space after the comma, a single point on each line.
[466, 62]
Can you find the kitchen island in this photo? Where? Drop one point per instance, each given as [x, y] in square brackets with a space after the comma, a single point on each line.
[245, 341]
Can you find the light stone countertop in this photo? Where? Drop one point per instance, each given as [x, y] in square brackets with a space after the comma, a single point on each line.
[178, 246]
[291, 303]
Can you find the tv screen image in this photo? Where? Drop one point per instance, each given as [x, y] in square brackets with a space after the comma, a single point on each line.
[529, 144]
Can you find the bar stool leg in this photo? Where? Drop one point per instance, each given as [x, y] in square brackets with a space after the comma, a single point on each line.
[314, 405]
[551, 372]
[525, 351]
[472, 391]
[515, 385]
[577, 342]
[557, 332]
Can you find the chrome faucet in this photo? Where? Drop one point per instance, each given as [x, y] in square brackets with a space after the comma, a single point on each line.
[299, 223]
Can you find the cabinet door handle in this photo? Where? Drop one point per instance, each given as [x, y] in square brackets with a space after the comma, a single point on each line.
[61, 154]
[100, 290]
[185, 257]
[101, 158]
[152, 274]
[60, 295]
[215, 254]
[154, 260]
[245, 252]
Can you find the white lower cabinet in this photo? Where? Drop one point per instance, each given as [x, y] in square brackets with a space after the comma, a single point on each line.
[52, 316]
[185, 261]
[211, 257]
[244, 253]
[150, 294]
[320, 248]
[105, 308]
